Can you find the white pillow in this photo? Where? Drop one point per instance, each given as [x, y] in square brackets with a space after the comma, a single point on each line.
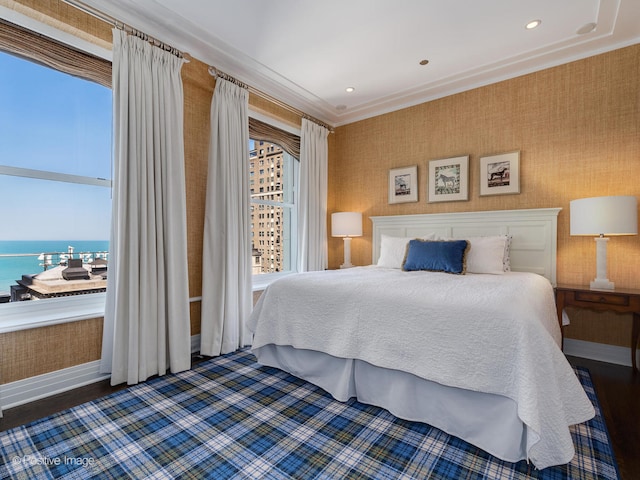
[488, 254]
[506, 262]
[394, 249]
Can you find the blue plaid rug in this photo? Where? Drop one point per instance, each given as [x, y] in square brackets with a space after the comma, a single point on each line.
[231, 418]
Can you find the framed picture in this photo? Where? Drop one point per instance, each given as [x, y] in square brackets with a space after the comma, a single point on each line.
[500, 174]
[448, 179]
[403, 184]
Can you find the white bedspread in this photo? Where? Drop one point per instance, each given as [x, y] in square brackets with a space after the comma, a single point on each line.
[489, 333]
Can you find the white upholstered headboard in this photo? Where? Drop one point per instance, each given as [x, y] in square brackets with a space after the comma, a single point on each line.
[534, 232]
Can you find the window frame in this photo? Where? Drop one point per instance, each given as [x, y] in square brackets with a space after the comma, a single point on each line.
[54, 176]
[16, 316]
[261, 281]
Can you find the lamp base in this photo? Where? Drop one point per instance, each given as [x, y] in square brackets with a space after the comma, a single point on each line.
[601, 284]
[347, 253]
[601, 281]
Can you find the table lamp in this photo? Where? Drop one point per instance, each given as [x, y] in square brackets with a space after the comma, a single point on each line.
[600, 216]
[346, 225]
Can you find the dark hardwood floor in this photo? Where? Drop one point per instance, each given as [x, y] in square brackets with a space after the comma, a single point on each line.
[617, 387]
[618, 390]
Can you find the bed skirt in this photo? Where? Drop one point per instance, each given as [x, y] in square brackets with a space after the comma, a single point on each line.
[487, 421]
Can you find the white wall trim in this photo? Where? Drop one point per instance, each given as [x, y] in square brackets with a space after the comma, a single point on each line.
[42, 386]
[195, 343]
[598, 351]
[16, 316]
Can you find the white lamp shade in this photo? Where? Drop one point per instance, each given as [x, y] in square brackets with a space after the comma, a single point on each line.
[346, 224]
[616, 215]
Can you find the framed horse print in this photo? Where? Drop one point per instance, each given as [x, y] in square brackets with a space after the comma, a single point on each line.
[500, 174]
[403, 184]
[448, 179]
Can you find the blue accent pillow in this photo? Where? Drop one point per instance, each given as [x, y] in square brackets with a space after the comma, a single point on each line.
[436, 256]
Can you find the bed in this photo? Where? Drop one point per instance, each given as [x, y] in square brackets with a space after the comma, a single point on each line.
[477, 355]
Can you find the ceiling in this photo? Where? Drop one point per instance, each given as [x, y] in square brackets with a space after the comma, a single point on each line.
[306, 53]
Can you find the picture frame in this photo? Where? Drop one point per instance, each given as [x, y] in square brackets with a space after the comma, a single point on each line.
[448, 179]
[403, 184]
[500, 174]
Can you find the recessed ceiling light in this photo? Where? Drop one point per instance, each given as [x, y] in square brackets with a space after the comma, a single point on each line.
[533, 24]
[424, 62]
[349, 89]
[586, 28]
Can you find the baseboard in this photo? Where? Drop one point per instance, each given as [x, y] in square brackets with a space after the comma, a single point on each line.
[42, 386]
[598, 351]
[195, 343]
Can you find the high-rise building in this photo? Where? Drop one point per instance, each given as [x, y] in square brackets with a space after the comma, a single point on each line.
[265, 173]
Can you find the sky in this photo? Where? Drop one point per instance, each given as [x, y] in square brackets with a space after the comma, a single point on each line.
[56, 122]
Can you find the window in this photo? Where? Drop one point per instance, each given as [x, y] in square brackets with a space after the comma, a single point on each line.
[55, 170]
[274, 150]
[275, 251]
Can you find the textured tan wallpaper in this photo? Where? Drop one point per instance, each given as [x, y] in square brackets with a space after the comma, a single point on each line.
[64, 17]
[577, 127]
[198, 90]
[27, 353]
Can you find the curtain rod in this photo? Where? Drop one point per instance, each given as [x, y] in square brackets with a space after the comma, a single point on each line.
[127, 28]
[218, 73]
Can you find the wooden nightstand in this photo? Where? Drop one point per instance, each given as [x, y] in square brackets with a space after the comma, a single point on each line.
[618, 301]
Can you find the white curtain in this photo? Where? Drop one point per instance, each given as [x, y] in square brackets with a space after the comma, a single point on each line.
[146, 324]
[312, 213]
[226, 256]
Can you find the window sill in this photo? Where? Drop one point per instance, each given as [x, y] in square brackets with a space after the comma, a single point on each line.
[260, 282]
[18, 316]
